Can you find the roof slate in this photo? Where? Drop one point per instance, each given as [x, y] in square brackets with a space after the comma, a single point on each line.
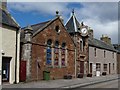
[6, 18]
[71, 24]
[100, 44]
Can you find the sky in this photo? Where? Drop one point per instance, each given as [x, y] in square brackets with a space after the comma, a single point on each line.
[102, 17]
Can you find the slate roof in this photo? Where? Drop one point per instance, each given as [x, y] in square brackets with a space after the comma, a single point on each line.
[39, 27]
[100, 44]
[72, 25]
[35, 28]
[117, 47]
[7, 19]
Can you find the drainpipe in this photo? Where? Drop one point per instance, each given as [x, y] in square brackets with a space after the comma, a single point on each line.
[75, 54]
[16, 55]
[75, 62]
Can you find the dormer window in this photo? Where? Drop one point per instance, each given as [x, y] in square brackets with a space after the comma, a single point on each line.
[57, 29]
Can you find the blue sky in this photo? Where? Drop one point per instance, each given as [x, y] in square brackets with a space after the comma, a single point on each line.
[100, 16]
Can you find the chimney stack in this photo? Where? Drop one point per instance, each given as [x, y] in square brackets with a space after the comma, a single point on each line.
[90, 32]
[106, 39]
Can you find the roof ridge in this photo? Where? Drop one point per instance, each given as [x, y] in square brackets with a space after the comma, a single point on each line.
[104, 45]
[41, 23]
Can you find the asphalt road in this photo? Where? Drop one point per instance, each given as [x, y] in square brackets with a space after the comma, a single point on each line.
[108, 84]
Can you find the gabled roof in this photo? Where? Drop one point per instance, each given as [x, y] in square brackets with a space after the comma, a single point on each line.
[41, 26]
[72, 25]
[100, 44]
[37, 26]
[7, 19]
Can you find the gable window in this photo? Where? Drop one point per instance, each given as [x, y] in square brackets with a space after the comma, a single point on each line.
[63, 59]
[56, 54]
[57, 29]
[104, 53]
[49, 55]
[95, 51]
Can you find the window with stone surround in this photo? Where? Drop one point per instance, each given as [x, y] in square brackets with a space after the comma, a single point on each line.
[95, 51]
[81, 45]
[56, 54]
[104, 53]
[105, 67]
[113, 66]
[113, 54]
[49, 53]
[98, 66]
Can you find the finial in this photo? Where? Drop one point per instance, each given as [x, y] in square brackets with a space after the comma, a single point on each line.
[57, 12]
[82, 23]
[73, 11]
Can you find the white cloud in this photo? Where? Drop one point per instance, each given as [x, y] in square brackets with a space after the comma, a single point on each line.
[110, 28]
[38, 7]
[102, 17]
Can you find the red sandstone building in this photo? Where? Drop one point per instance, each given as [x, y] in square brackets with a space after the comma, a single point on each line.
[47, 47]
[79, 33]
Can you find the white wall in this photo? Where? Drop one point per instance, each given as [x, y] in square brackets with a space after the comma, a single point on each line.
[100, 59]
[9, 48]
[0, 55]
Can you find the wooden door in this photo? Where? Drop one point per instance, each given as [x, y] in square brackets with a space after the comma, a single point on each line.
[90, 67]
[22, 70]
[82, 67]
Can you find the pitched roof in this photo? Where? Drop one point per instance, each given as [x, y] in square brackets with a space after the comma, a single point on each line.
[38, 27]
[41, 26]
[72, 25]
[7, 19]
[100, 44]
[117, 47]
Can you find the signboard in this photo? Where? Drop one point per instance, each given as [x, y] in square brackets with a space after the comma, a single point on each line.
[94, 67]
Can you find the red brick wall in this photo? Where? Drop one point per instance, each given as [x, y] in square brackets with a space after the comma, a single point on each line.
[39, 52]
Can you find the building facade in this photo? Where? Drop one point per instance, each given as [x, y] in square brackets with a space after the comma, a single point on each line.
[47, 47]
[9, 46]
[81, 41]
[117, 47]
[102, 57]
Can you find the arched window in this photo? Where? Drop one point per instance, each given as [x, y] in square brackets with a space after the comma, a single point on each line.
[63, 54]
[49, 53]
[56, 54]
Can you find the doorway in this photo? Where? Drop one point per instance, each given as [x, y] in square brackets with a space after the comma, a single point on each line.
[91, 68]
[5, 68]
[82, 67]
[109, 68]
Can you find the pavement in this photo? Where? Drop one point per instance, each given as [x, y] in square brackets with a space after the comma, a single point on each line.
[64, 83]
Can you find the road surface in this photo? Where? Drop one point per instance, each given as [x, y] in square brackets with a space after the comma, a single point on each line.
[108, 84]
